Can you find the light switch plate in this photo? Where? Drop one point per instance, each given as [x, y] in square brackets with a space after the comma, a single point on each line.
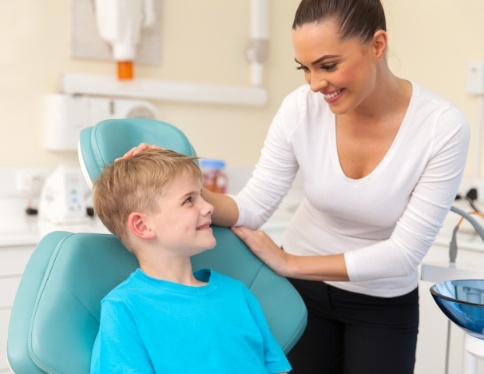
[475, 78]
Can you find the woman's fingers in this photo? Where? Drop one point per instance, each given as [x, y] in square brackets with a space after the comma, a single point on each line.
[135, 150]
[263, 247]
[248, 236]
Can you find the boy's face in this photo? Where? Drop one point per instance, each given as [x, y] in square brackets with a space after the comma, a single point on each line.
[182, 224]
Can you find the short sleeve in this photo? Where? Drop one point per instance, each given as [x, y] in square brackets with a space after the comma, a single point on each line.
[118, 347]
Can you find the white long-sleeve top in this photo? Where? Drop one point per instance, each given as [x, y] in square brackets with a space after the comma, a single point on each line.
[385, 222]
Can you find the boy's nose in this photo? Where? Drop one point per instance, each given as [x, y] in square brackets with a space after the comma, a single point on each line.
[207, 209]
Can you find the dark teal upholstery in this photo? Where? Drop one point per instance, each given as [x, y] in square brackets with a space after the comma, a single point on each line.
[55, 316]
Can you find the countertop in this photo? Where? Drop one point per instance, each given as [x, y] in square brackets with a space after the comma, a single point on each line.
[19, 229]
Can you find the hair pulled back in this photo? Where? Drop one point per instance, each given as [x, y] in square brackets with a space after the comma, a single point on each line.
[357, 18]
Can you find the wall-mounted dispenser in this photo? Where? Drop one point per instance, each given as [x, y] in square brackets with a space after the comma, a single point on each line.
[119, 23]
[67, 115]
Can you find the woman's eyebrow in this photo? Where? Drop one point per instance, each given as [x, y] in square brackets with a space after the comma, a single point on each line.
[319, 60]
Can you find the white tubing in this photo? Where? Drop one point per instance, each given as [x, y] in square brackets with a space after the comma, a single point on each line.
[259, 19]
[478, 136]
[259, 36]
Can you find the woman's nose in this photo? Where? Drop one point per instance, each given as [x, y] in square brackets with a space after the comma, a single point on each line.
[317, 82]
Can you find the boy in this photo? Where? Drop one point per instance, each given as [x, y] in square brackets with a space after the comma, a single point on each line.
[164, 318]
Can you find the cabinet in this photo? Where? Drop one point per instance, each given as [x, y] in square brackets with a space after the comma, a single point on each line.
[12, 264]
[19, 235]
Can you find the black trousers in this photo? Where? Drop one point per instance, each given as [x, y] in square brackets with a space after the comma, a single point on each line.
[350, 333]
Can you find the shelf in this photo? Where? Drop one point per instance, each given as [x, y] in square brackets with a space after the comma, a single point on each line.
[98, 85]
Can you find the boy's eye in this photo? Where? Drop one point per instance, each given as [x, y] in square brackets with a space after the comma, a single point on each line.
[188, 200]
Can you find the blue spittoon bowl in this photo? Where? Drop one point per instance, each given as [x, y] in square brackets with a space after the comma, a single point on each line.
[462, 301]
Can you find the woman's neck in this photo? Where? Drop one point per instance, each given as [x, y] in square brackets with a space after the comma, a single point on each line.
[390, 95]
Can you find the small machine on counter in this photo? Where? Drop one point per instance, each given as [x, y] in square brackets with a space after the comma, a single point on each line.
[62, 200]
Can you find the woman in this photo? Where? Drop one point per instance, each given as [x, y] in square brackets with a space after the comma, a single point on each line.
[381, 161]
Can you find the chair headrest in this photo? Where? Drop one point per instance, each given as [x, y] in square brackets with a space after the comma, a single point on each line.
[101, 144]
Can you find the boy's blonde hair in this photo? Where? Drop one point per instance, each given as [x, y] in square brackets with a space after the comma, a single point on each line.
[135, 184]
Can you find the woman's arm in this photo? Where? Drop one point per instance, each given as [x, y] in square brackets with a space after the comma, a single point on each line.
[322, 268]
[225, 211]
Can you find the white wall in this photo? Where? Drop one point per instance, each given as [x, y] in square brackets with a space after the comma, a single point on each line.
[204, 41]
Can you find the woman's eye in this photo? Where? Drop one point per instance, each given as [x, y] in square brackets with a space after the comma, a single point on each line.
[325, 67]
[328, 67]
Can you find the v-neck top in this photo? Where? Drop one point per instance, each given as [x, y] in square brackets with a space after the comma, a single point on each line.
[394, 147]
[385, 222]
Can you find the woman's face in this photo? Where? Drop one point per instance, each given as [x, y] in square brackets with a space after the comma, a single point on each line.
[343, 71]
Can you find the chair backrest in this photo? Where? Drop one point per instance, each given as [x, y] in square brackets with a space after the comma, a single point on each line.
[55, 316]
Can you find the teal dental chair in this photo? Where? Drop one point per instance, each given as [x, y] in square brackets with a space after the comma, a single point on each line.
[55, 316]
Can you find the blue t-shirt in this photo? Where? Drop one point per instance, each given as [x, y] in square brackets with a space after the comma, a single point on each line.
[154, 326]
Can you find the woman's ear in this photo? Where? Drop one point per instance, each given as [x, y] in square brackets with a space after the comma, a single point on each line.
[139, 227]
[380, 40]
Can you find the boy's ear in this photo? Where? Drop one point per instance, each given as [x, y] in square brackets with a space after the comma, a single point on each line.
[137, 224]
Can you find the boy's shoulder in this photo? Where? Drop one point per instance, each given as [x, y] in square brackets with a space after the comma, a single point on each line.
[118, 293]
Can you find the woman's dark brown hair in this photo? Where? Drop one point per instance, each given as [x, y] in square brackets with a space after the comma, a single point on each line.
[357, 18]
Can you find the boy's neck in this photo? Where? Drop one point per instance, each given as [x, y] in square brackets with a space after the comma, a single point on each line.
[177, 270]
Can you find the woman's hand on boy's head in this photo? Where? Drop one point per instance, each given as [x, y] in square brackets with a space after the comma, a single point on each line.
[135, 150]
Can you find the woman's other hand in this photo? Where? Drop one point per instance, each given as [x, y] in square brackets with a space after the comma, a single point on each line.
[135, 150]
[264, 247]
[320, 268]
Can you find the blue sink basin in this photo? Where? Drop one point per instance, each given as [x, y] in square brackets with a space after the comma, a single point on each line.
[462, 301]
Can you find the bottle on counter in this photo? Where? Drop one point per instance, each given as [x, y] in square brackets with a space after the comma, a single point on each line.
[214, 177]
